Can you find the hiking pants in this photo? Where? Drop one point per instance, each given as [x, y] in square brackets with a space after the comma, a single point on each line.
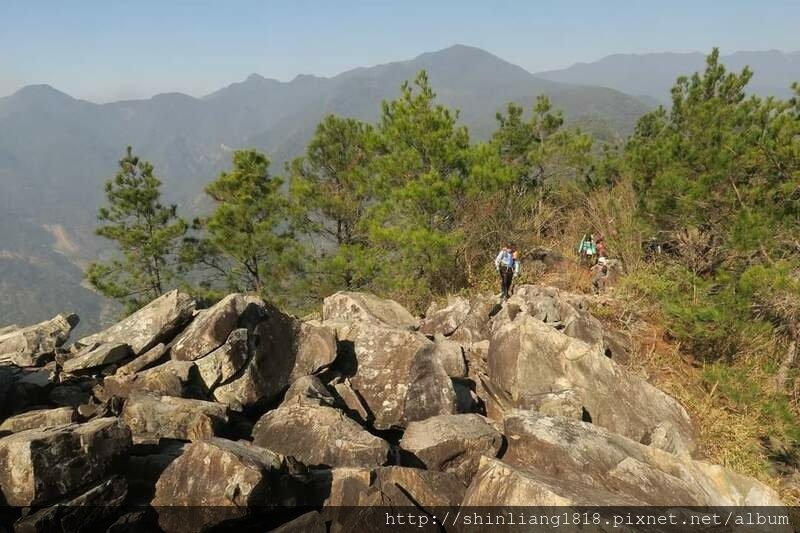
[506, 278]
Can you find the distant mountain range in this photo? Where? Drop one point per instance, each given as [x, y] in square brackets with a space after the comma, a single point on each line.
[650, 76]
[56, 151]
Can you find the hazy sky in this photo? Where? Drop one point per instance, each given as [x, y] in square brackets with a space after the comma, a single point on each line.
[107, 49]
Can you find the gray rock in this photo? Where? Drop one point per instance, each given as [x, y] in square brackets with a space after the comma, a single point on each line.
[223, 363]
[8, 376]
[365, 307]
[42, 465]
[451, 355]
[308, 390]
[317, 435]
[219, 480]
[24, 346]
[150, 357]
[592, 459]
[352, 402]
[500, 485]
[154, 323]
[315, 349]
[42, 377]
[146, 464]
[8, 329]
[86, 512]
[209, 330]
[96, 356]
[475, 326]
[342, 487]
[452, 443]
[173, 378]
[447, 320]
[664, 437]
[399, 377]
[152, 417]
[39, 418]
[285, 349]
[528, 358]
[406, 489]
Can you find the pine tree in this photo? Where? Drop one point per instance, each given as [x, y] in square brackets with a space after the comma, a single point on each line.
[246, 237]
[540, 150]
[146, 233]
[418, 180]
[720, 173]
[330, 195]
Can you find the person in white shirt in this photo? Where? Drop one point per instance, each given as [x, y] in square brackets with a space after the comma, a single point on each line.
[507, 265]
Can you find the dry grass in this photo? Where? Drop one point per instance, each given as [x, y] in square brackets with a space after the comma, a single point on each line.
[729, 433]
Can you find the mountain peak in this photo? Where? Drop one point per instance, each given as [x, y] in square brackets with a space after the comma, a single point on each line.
[461, 52]
[41, 91]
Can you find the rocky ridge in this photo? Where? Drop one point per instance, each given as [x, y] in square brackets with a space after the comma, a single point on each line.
[235, 410]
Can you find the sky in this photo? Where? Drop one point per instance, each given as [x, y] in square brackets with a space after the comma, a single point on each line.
[110, 50]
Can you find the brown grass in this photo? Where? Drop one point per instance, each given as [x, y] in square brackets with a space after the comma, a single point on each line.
[728, 434]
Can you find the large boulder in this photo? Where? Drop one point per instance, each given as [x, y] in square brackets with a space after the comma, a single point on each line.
[25, 346]
[365, 307]
[428, 489]
[308, 390]
[399, 376]
[475, 326]
[85, 512]
[447, 320]
[452, 443]
[147, 462]
[151, 417]
[156, 322]
[40, 465]
[223, 363]
[217, 480]
[341, 487]
[499, 403]
[392, 490]
[283, 350]
[351, 402]
[96, 356]
[528, 358]
[451, 355]
[499, 485]
[38, 418]
[317, 435]
[210, 329]
[569, 313]
[583, 455]
[173, 378]
[147, 359]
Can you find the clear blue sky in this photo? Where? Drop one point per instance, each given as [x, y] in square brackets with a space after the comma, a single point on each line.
[109, 49]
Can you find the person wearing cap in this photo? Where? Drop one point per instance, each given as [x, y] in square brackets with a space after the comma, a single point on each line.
[507, 265]
[600, 275]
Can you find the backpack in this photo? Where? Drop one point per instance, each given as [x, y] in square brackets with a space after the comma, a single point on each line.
[507, 259]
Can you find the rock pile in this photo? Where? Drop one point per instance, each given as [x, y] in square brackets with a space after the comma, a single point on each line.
[238, 409]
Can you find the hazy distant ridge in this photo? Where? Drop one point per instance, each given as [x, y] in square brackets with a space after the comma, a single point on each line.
[652, 75]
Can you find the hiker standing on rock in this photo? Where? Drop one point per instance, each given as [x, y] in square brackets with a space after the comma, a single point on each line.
[507, 264]
[599, 275]
[587, 249]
